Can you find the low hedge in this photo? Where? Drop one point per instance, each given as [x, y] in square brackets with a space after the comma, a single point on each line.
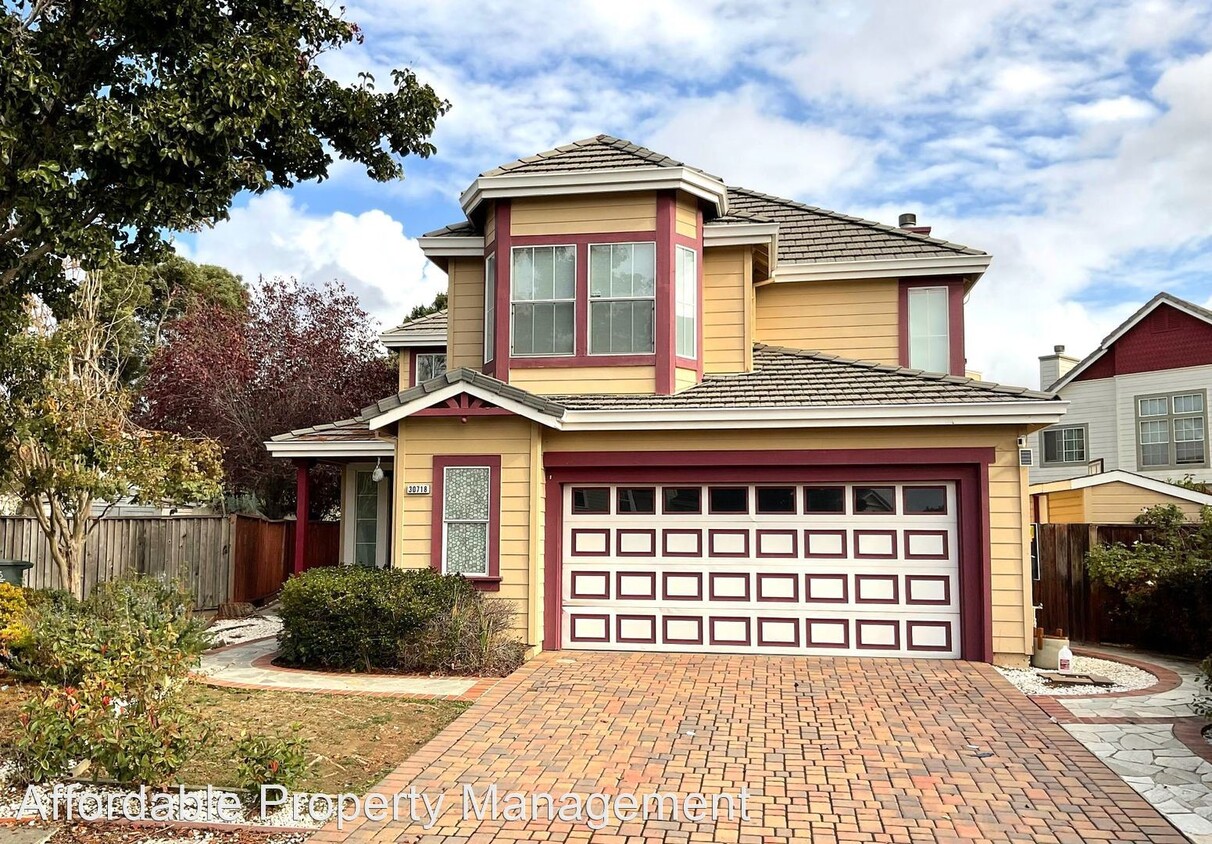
[349, 617]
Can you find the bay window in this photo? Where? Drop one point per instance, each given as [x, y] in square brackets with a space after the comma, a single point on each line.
[929, 329]
[686, 290]
[622, 298]
[543, 300]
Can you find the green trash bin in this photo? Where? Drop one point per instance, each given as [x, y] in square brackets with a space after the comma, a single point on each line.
[13, 571]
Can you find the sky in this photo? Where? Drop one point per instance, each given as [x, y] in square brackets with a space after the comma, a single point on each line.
[1071, 140]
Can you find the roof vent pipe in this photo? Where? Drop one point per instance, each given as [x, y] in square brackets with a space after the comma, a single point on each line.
[907, 220]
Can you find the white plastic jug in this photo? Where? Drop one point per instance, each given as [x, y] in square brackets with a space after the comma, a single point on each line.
[1064, 659]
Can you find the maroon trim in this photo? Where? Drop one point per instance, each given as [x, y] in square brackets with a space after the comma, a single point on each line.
[909, 627]
[463, 405]
[924, 459]
[795, 548]
[549, 361]
[618, 585]
[766, 643]
[504, 253]
[859, 534]
[910, 579]
[795, 587]
[584, 239]
[712, 533]
[808, 642]
[572, 580]
[858, 589]
[618, 542]
[711, 578]
[669, 640]
[905, 510]
[437, 528]
[711, 622]
[574, 616]
[302, 512]
[955, 317]
[666, 302]
[714, 512]
[553, 555]
[808, 599]
[572, 547]
[412, 359]
[698, 578]
[698, 540]
[618, 629]
[809, 533]
[860, 623]
[946, 545]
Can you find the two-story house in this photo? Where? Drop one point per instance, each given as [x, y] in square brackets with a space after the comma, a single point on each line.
[681, 416]
[1137, 419]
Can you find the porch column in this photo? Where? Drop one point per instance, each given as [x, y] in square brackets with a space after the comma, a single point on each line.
[302, 497]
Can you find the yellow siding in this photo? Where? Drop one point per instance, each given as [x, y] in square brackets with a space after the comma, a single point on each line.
[855, 319]
[725, 343]
[490, 222]
[418, 441]
[585, 379]
[1120, 503]
[465, 313]
[1067, 507]
[405, 360]
[686, 221]
[684, 379]
[584, 214]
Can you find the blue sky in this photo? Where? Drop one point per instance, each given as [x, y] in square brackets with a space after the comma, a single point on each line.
[1071, 140]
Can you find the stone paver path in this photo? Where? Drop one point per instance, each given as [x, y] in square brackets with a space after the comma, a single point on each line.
[250, 666]
[1151, 739]
[830, 750]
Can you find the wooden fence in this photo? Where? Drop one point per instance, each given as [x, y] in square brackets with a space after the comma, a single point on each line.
[218, 558]
[1070, 600]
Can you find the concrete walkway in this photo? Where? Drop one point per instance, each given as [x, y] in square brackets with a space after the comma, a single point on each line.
[1151, 738]
[249, 665]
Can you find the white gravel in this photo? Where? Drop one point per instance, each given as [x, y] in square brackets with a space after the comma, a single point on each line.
[1127, 678]
[233, 631]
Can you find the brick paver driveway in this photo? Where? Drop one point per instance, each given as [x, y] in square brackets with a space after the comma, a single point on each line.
[832, 750]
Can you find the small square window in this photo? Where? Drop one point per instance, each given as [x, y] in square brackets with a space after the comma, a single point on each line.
[874, 499]
[925, 500]
[636, 499]
[590, 500]
[824, 499]
[729, 499]
[1154, 407]
[682, 499]
[1189, 403]
[776, 499]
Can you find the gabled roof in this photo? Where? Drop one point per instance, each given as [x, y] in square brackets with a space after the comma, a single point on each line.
[601, 152]
[1127, 325]
[1121, 477]
[429, 330]
[472, 381]
[346, 438]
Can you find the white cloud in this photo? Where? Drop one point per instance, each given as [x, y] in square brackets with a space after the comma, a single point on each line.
[1113, 110]
[369, 253]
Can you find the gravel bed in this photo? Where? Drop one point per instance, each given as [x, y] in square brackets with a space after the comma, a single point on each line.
[236, 630]
[1127, 678]
[103, 832]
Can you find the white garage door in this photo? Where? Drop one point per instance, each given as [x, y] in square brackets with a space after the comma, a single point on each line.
[861, 569]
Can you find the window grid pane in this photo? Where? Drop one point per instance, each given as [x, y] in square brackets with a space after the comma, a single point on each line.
[622, 290]
[1154, 407]
[542, 302]
[929, 327]
[430, 366]
[1190, 403]
[687, 310]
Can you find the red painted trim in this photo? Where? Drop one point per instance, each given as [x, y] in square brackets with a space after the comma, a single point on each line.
[910, 625]
[712, 533]
[910, 579]
[553, 583]
[858, 589]
[860, 623]
[549, 361]
[946, 545]
[762, 458]
[666, 302]
[808, 642]
[698, 579]
[585, 239]
[650, 595]
[437, 532]
[618, 629]
[713, 576]
[604, 532]
[795, 587]
[698, 542]
[463, 412]
[574, 617]
[669, 640]
[858, 536]
[955, 318]
[649, 532]
[760, 533]
[808, 599]
[811, 532]
[577, 595]
[302, 508]
[504, 245]
[763, 642]
[711, 622]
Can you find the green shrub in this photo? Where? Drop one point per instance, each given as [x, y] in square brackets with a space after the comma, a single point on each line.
[14, 621]
[270, 760]
[412, 619]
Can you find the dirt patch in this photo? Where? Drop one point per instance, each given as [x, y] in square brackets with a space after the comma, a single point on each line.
[353, 740]
[113, 833]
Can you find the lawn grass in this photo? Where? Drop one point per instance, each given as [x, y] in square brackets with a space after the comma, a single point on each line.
[353, 741]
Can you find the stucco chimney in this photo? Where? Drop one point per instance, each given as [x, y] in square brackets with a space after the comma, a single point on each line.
[908, 222]
[1054, 367]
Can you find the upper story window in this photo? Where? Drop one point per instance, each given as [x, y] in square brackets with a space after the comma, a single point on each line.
[1171, 430]
[490, 307]
[543, 287]
[430, 365]
[929, 324]
[622, 298]
[1064, 445]
[686, 284]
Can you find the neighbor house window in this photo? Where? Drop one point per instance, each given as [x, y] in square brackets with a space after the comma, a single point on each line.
[430, 365]
[1065, 445]
[466, 518]
[687, 294]
[543, 299]
[929, 329]
[490, 306]
[622, 296]
[1171, 430]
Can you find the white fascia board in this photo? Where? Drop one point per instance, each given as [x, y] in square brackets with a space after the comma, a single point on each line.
[346, 448]
[1141, 481]
[452, 247]
[595, 181]
[883, 268]
[393, 341]
[452, 390]
[1044, 412]
[739, 234]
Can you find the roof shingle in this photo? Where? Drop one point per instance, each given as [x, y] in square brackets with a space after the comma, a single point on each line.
[601, 152]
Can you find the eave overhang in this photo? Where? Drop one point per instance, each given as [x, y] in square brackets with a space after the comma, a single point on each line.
[971, 267]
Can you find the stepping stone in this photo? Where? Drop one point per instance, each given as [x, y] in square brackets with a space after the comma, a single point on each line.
[15, 834]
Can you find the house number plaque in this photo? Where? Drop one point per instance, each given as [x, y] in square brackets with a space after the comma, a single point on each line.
[417, 489]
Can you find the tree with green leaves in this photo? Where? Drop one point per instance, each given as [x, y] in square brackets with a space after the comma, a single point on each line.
[439, 304]
[121, 120]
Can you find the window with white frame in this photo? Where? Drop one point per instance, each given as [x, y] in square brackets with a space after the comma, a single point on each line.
[686, 292]
[430, 365]
[622, 297]
[366, 519]
[1172, 430]
[466, 513]
[490, 306]
[1065, 445]
[543, 300]
[929, 329]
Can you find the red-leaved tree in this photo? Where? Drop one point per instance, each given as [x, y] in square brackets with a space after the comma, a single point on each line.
[299, 356]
